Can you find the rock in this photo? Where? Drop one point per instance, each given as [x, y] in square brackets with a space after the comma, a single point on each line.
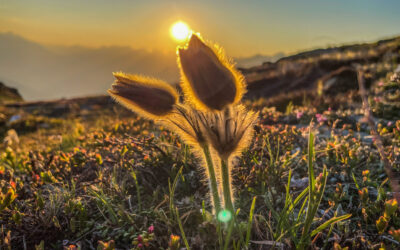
[338, 81]
[299, 183]
[11, 138]
[8, 94]
[367, 138]
[395, 77]
[14, 118]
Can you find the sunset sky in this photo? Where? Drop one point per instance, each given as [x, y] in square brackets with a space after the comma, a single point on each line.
[244, 28]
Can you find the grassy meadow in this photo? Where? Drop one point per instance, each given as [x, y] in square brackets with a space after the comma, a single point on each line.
[99, 177]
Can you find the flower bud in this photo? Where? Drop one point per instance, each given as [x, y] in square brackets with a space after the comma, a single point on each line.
[174, 242]
[363, 194]
[395, 234]
[365, 214]
[365, 175]
[186, 122]
[151, 98]
[210, 81]
[229, 131]
[381, 224]
[391, 207]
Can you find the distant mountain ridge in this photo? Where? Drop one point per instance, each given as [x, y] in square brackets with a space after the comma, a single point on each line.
[41, 72]
[49, 72]
[258, 59]
[305, 71]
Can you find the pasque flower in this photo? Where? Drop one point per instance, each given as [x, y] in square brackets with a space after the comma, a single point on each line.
[209, 80]
[151, 98]
[186, 121]
[211, 119]
[229, 131]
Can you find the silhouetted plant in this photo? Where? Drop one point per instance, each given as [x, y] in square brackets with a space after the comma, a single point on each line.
[211, 118]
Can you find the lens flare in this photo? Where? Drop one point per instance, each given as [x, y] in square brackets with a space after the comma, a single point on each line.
[224, 216]
[180, 31]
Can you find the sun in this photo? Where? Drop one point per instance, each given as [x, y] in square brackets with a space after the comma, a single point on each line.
[180, 31]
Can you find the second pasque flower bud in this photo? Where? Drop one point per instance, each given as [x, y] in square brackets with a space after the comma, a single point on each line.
[209, 80]
[151, 98]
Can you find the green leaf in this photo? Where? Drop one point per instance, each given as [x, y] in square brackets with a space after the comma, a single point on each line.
[181, 229]
[329, 222]
[299, 198]
[355, 181]
[310, 162]
[253, 204]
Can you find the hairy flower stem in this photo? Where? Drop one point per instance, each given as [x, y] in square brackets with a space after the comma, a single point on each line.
[213, 179]
[226, 185]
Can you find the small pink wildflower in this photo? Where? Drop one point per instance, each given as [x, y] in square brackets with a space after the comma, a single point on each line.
[150, 229]
[299, 114]
[321, 118]
[139, 238]
[377, 99]
[390, 123]
[140, 245]
[380, 84]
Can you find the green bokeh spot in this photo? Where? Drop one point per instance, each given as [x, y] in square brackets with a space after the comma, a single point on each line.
[224, 216]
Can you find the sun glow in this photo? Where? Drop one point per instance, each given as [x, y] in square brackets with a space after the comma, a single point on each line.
[180, 31]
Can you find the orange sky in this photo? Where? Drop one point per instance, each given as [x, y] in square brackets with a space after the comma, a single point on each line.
[243, 27]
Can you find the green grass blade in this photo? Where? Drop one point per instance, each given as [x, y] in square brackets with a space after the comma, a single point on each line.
[288, 202]
[271, 155]
[229, 234]
[299, 198]
[172, 190]
[103, 200]
[311, 203]
[329, 222]
[253, 204]
[134, 176]
[181, 228]
[355, 181]
[288, 198]
[311, 177]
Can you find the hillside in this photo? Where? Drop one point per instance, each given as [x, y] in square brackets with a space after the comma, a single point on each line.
[49, 72]
[8, 94]
[85, 172]
[302, 72]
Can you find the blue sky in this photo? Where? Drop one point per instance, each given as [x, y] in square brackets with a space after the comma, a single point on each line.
[243, 27]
